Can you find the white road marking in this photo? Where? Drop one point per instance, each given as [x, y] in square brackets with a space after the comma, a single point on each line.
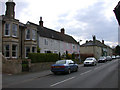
[62, 81]
[86, 72]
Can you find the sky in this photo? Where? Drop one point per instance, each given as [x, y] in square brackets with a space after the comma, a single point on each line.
[80, 18]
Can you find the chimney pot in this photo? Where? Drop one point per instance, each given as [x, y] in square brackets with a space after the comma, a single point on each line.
[62, 30]
[41, 22]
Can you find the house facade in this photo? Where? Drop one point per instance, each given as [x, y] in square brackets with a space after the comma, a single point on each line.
[19, 39]
[96, 48]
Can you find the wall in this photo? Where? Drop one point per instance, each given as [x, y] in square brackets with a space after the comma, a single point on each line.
[11, 66]
[40, 66]
[56, 45]
[86, 50]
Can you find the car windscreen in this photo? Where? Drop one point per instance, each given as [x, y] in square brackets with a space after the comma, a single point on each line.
[89, 59]
[61, 62]
[101, 57]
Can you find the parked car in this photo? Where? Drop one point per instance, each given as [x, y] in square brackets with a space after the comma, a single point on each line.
[108, 58]
[90, 61]
[117, 57]
[64, 66]
[102, 59]
[113, 57]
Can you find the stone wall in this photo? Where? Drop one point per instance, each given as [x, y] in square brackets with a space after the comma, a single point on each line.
[11, 66]
[40, 66]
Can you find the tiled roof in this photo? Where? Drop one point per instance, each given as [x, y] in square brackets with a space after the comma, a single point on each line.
[49, 33]
[92, 43]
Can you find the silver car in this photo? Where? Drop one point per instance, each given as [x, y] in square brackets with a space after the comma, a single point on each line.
[90, 61]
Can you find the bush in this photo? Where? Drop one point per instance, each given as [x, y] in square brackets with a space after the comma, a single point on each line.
[43, 57]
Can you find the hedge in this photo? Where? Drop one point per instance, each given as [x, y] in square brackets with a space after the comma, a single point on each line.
[43, 57]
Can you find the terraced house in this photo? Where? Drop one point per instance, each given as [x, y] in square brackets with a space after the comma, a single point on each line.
[19, 39]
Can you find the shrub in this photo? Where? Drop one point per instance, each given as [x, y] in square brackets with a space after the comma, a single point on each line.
[43, 57]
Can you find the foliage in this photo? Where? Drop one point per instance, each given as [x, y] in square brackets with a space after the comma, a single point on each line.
[43, 57]
[117, 50]
[38, 49]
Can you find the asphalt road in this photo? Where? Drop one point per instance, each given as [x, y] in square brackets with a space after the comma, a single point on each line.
[104, 75]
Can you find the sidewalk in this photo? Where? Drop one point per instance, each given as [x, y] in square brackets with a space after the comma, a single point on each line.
[9, 79]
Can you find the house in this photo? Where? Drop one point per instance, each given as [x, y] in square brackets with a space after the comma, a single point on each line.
[117, 14]
[96, 48]
[19, 39]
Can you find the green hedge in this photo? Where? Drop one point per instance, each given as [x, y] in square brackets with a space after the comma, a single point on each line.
[43, 57]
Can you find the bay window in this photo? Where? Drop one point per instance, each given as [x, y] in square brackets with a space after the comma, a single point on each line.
[14, 30]
[7, 29]
[14, 51]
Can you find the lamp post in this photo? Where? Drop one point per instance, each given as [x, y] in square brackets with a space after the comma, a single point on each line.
[79, 53]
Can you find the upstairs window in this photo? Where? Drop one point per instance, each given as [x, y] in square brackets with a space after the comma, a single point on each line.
[27, 34]
[14, 51]
[7, 29]
[33, 35]
[14, 30]
[6, 53]
[45, 41]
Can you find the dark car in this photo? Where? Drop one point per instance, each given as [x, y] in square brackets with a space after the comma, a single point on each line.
[102, 59]
[64, 66]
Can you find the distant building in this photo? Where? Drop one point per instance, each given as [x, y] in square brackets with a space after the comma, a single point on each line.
[96, 48]
[117, 14]
[19, 39]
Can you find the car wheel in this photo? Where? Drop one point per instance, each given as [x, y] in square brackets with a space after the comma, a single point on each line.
[76, 69]
[69, 71]
[55, 73]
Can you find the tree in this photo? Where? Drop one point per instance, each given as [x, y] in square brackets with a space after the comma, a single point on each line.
[117, 50]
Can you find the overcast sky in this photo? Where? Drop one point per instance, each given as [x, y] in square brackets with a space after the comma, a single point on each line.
[80, 18]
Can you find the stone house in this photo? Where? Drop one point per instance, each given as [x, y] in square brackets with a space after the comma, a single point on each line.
[96, 48]
[19, 39]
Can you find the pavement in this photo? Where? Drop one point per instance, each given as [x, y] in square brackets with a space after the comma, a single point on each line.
[9, 79]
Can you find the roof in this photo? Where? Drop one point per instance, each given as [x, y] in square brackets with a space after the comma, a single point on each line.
[50, 33]
[94, 43]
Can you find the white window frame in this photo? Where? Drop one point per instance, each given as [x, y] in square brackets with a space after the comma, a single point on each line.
[6, 50]
[33, 34]
[14, 30]
[14, 50]
[27, 33]
[8, 29]
[45, 42]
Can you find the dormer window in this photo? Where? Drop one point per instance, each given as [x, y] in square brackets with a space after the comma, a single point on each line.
[14, 30]
[28, 34]
[7, 29]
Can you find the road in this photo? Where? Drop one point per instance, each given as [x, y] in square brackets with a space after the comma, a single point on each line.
[104, 75]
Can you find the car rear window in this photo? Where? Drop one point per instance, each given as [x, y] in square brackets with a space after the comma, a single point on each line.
[61, 62]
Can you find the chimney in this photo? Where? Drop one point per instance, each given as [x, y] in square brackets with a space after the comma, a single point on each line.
[10, 7]
[94, 39]
[62, 30]
[86, 41]
[41, 22]
[102, 41]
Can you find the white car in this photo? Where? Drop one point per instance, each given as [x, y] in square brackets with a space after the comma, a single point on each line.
[90, 61]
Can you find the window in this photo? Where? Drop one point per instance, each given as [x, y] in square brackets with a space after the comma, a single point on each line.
[33, 49]
[28, 34]
[7, 54]
[27, 51]
[14, 51]
[45, 41]
[33, 35]
[14, 30]
[74, 47]
[7, 29]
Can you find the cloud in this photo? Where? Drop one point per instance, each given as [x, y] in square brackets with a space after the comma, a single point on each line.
[80, 18]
